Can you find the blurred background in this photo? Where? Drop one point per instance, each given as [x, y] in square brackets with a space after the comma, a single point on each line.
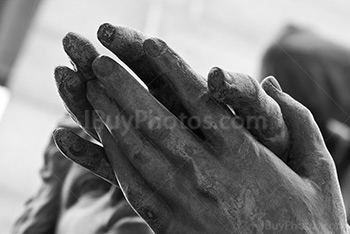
[226, 33]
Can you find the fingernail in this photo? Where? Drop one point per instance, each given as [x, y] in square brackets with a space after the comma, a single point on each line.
[81, 52]
[68, 41]
[69, 143]
[69, 84]
[106, 32]
[272, 80]
[66, 143]
[59, 74]
[216, 78]
[154, 47]
[218, 83]
[65, 76]
[103, 66]
[78, 46]
[58, 133]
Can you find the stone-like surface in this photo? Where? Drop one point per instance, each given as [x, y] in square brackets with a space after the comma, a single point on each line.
[231, 35]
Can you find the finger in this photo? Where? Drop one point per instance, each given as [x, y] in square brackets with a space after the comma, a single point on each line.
[165, 131]
[84, 153]
[154, 168]
[147, 203]
[127, 44]
[190, 89]
[82, 53]
[155, 172]
[72, 91]
[261, 114]
[308, 155]
[153, 119]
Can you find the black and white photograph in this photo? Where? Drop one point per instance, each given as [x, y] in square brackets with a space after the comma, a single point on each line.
[174, 117]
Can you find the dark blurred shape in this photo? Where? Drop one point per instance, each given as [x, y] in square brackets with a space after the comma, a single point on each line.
[316, 72]
[71, 199]
[15, 20]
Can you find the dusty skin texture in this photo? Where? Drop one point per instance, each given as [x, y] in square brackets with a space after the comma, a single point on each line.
[222, 180]
[262, 115]
[82, 53]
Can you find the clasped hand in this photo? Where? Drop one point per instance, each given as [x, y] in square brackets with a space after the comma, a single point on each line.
[183, 151]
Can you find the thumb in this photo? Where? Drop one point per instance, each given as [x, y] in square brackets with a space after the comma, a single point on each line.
[308, 156]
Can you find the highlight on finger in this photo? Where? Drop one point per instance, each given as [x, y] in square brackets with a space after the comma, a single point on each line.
[72, 91]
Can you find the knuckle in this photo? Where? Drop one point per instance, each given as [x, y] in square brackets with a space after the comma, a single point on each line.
[327, 167]
[157, 220]
[156, 215]
[208, 189]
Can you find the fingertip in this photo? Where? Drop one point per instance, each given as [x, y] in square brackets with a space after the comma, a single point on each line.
[216, 74]
[84, 153]
[68, 143]
[69, 84]
[60, 73]
[154, 47]
[74, 44]
[63, 138]
[274, 90]
[270, 84]
[105, 33]
[124, 42]
[81, 52]
[58, 133]
[59, 136]
[299, 118]
[220, 84]
[67, 39]
[216, 80]
[67, 77]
